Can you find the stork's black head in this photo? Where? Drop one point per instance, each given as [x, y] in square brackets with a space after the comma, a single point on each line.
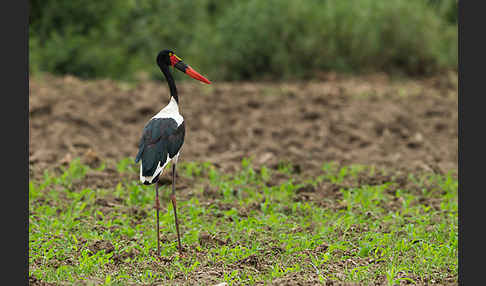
[168, 58]
[163, 58]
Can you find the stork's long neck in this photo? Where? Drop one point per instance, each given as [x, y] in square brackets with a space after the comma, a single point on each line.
[170, 82]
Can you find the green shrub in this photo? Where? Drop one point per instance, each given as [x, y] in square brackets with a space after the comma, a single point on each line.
[108, 38]
[447, 9]
[231, 40]
[287, 38]
[81, 37]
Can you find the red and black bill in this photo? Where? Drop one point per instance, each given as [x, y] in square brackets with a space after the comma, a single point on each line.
[180, 65]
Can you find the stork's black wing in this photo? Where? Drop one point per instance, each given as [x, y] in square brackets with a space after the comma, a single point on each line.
[161, 137]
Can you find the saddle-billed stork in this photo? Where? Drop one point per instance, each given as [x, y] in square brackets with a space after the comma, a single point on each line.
[163, 136]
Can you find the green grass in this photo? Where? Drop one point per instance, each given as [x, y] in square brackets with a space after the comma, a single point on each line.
[254, 228]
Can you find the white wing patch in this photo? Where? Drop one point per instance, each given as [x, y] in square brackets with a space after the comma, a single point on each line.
[157, 172]
[159, 169]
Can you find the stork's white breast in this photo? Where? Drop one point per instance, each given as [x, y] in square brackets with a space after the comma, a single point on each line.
[171, 110]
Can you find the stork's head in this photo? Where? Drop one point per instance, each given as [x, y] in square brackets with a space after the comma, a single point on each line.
[169, 58]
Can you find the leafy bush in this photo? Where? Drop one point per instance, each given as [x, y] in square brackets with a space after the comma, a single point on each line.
[447, 9]
[233, 40]
[286, 38]
[107, 38]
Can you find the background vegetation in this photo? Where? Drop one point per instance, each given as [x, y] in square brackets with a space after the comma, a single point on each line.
[240, 40]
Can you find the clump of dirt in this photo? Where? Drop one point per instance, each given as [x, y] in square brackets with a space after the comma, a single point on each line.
[102, 180]
[33, 281]
[348, 120]
[376, 179]
[137, 213]
[206, 238]
[211, 192]
[306, 189]
[101, 245]
[251, 260]
[103, 202]
[119, 258]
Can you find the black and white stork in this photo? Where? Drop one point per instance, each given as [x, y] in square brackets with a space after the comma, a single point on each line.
[163, 136]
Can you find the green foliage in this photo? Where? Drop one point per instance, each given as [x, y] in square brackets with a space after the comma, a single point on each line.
[251, 39]
[285, 38]
[383, 234]
[110, 38]
[87, 39]
[448, 9]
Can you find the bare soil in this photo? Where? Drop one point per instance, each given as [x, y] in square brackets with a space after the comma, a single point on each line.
[400, 124]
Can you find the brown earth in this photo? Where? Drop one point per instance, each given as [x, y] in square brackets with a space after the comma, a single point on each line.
[373, 120]
[408, 125]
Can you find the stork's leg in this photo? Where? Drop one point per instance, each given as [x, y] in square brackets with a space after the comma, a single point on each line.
[174, 205]
[157, 208]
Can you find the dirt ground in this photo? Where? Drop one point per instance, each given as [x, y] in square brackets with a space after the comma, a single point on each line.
[402, 124]
[406, 125]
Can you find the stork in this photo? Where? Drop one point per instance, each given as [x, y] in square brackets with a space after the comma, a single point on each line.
[163, 136]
